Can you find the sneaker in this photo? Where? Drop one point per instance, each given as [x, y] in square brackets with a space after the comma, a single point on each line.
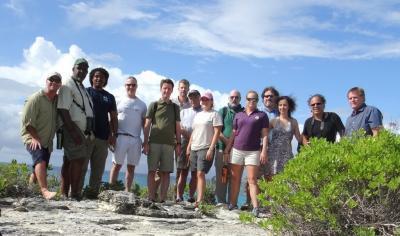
[255, 211]
[191, 200]
[220, 204]
[232, 207]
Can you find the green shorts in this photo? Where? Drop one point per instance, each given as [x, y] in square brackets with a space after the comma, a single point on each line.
[73, 151]
[161, 157]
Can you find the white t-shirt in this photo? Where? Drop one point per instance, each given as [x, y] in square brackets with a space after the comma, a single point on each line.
[187, 116]
[203, 128]
[131, 114]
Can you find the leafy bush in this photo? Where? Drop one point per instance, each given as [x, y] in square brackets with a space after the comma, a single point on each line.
[350, 187]
[13, 179]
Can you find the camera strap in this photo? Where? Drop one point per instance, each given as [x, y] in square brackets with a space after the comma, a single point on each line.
[82, 107]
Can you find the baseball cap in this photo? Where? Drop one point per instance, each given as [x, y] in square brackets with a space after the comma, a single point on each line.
[193, 92]
[81, 61]
[207, 95]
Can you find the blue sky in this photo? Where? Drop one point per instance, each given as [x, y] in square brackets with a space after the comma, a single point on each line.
[301, 47]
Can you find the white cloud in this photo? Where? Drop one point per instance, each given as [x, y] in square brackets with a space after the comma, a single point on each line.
[106, 13]
[20, 81]
[257, 28]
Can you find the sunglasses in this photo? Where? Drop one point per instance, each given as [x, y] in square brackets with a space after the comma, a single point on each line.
[269, 96]
[54, 80]
[316, 104]
[130, 85]
[234, 97]
[252, 99]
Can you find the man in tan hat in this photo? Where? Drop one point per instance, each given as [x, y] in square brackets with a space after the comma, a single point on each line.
[38, 129]
[76, 110]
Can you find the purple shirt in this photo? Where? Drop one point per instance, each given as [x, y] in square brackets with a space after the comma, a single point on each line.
[248, 130]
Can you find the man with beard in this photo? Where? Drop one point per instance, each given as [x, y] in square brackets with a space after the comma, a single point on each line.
[221, 165]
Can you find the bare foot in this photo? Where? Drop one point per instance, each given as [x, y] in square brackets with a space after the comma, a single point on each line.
[48, 195]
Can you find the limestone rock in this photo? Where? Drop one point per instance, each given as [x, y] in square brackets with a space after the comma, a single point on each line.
[87, 218]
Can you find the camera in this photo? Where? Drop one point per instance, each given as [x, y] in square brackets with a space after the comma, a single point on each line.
[59, 136]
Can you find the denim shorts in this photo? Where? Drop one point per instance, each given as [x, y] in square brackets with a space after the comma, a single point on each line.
[39, 155]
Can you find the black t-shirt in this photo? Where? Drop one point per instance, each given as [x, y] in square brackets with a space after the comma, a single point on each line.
[331, 124]
[103, 103]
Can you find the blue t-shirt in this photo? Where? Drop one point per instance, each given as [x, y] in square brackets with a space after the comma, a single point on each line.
[103, 103]
[366, 117]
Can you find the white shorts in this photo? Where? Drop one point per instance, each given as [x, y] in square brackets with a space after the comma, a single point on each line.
[245, 158]
[129, 147]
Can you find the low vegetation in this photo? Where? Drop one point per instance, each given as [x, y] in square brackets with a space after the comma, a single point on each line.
[14, 179]
[350, 187]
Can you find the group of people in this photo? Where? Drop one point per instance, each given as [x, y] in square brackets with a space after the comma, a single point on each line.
[185, 130]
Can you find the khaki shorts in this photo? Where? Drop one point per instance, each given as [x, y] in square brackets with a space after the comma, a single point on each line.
[73, 151]
[161, 157]
[245, 158]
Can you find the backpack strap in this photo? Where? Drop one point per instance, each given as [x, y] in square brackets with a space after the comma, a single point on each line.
[224, 112]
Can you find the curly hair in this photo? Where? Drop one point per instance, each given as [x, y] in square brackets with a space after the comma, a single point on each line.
[101, 70]
[291, 103]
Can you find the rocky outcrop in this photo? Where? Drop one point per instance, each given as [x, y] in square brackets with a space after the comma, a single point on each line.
[126, 203]
[115, 213]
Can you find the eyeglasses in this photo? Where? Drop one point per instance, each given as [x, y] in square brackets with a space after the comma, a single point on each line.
[234, 97]
[269, 96]
[129, 85]
[316, 104]
[252, 99]
[54, 80]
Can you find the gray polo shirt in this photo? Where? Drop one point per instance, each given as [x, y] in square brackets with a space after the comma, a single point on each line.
[366, 117]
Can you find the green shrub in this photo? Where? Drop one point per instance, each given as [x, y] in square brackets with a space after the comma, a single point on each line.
[141, 192]
[246, 217]
[350, 187]
[13, 179]
[208, 209]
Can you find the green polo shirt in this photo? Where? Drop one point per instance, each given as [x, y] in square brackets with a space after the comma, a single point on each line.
[40, 113]
[164, 116]
[227, 127]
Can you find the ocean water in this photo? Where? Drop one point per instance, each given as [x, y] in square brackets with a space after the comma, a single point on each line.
[139, 178]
